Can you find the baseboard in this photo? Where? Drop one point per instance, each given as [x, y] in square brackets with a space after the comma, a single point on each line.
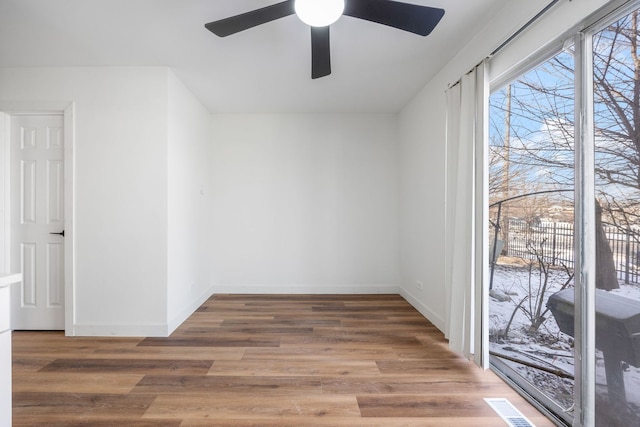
[188, 311]
[158, 330]
[306, 289]
[163, 330]
[437, 321]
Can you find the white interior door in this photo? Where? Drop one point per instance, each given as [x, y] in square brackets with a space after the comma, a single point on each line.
[37, 221]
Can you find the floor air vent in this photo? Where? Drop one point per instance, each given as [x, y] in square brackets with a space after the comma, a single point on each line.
[509, 413]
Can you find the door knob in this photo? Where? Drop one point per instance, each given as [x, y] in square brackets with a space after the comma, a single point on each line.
[59, 234]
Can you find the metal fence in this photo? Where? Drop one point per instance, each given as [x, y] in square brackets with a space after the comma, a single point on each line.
[553, 242]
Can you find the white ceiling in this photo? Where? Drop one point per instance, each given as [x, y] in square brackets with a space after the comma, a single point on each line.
[264, 69]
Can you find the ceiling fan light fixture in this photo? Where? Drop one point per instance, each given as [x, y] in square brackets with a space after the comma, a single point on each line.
[319, 13]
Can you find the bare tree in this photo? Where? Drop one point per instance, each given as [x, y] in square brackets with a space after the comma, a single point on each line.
[542, 130]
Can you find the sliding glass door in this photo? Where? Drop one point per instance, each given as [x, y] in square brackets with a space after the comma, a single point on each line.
[564, 250]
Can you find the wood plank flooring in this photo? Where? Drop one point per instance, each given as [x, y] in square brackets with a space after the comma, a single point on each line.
[261, 360]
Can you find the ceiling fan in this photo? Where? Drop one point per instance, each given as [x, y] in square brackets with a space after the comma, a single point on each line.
[320, 14]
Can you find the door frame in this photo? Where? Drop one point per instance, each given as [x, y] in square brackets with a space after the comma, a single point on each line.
[67, 110]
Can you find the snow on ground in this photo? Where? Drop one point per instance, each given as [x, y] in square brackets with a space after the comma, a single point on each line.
[547, 347]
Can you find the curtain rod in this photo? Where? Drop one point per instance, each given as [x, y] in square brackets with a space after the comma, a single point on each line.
[511, 37]
[524, 27]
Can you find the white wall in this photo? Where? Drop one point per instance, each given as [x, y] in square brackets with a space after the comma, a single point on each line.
[121, 190]
[422, 139]
[188, 269]
[170, 201]
[304, 203]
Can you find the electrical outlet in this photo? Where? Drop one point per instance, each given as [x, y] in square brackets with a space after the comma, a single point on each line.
[419, 284]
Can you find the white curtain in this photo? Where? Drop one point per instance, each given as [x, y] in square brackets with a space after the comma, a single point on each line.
[465, 228]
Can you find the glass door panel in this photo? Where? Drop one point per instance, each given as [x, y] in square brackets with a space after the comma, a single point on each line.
[531, 180]
[616, 69]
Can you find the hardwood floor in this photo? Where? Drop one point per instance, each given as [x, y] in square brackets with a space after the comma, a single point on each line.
[261, 360]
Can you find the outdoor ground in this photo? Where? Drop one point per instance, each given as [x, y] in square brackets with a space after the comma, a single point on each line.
[547, 352]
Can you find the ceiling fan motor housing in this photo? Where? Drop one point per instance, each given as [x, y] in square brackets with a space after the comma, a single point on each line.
[319, 13]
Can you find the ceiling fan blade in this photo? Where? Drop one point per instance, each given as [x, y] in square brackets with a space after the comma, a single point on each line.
[320, 52]
[404, 16]
[244, 21]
